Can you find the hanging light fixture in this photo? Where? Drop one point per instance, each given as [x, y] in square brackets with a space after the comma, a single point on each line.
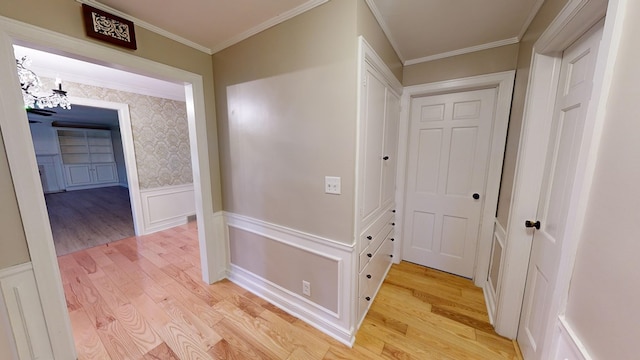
[32, 92]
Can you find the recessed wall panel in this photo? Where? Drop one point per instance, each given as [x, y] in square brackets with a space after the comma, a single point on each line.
[432, 113]
[422, 231]
[535, 313]
[461, 160]
[454, 233]
[429, 147]
[466, 110]
[496, 262]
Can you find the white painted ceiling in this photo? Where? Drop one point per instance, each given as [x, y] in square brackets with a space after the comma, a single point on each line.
[420, 30]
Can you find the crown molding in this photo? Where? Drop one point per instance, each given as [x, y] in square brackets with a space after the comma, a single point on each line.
[510, 41]
[378, 15]
[534, 11]
[146, 25]
[267, 24]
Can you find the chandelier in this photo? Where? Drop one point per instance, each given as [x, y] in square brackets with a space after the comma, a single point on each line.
[32, 92]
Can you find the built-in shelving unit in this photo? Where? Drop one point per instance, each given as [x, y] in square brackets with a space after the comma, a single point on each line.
[87, 158]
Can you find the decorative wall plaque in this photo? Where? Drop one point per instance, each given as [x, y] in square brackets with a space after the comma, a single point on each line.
[110, 28]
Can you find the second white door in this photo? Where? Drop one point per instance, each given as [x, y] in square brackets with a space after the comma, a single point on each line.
[567, 128]
[449, 143]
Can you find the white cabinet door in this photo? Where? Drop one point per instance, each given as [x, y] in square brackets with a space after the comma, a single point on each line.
[447, 166]
[390, 149]
[78, 174]
[373, 114]
[105, 173]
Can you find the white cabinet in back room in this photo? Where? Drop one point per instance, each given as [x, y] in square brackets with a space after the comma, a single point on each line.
[87, 158]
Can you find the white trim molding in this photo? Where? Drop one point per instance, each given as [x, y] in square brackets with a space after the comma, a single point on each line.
[337, 324]
[467, 50]
[385, 28]
[280, 18]
[166, 207]
[268, 24]
[146, 25]
[567, 343]
[126, 135]
[22, 303]
[503, 83]
[368, 55]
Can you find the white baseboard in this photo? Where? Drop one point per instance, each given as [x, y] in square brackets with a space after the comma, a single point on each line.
[567, 344]
[166, 207]
[21, 300]
[337, 324]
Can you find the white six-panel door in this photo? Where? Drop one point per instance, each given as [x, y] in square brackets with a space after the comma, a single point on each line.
[574, 92]
[449, 142]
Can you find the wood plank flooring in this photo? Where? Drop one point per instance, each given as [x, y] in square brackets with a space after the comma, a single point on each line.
[82, 219]
[142, 298]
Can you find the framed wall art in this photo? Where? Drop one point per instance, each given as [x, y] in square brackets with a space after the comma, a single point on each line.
[107, 27]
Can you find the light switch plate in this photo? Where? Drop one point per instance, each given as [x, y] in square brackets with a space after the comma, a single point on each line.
[332, 185]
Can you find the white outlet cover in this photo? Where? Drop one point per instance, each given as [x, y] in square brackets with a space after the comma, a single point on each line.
[332, 185]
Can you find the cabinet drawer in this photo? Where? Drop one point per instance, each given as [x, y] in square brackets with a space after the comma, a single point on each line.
[367, 254]
[385, 235]
[372, 276]
[364, 280]
[372, 230]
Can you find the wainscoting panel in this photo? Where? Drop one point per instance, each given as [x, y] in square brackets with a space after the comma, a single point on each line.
[272, 261]
[167, 207]
[492, 284]
[22, 302]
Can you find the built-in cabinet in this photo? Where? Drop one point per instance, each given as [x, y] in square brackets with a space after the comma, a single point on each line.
[377, 158]
[87, 158]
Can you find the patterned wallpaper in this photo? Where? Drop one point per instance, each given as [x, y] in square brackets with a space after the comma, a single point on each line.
[160, 133]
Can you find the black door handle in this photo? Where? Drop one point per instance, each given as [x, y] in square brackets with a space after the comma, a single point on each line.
[531, 224]
[476, 196]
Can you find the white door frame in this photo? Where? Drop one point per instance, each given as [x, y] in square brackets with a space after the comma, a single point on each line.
[22, 162]
[126, 134]
[573, 21]
[503, 83]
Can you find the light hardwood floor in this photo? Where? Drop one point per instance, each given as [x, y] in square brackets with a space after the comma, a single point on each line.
[85, 218]
[141, 298]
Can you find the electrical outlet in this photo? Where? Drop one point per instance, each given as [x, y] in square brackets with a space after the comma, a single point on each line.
[332, 185]
[306, 288]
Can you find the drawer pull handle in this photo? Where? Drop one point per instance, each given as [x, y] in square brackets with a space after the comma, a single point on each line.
[392, 239]
[367, 298]
[369, 237]
[385, 158]
[369, 254]
[393, 224]
[393, 211]
[368, 276]
[391, 255]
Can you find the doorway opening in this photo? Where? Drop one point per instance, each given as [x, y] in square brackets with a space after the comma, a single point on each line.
[83, 173]
[138, 140]
[26, 181]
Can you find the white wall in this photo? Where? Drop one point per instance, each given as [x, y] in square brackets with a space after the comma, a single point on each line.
[605, 288]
